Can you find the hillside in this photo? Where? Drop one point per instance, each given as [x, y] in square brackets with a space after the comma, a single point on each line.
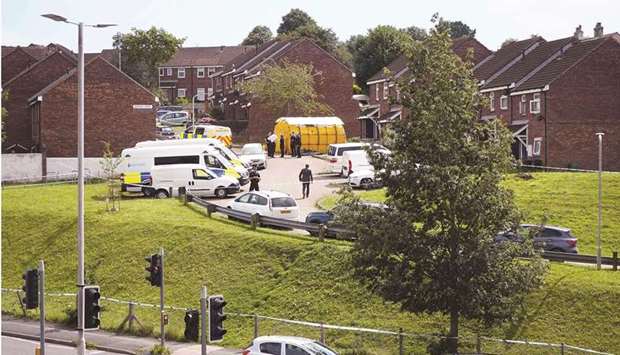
[566, 199]
[270, 273]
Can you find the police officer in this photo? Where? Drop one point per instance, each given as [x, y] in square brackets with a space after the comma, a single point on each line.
[254, 179]
[305, 176]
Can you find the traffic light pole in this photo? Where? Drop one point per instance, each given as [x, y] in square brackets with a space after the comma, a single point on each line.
[42, 304]
[161, 301]
[203, 320]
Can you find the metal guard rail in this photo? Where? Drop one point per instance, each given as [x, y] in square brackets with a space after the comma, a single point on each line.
[350, 235]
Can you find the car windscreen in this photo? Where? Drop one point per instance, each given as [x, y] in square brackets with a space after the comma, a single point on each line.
[319, 349]
[251, 150]
[283, 202]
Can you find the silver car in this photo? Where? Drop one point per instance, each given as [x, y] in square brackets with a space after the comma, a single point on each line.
[549, 238]
[178, 118]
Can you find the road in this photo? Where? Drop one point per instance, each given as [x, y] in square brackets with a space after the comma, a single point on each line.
[17, 346]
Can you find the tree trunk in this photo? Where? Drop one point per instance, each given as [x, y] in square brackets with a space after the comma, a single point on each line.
[453, 342]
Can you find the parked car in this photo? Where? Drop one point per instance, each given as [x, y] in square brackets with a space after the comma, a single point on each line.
[171, 108]
[365, 179]
[354, 160]
[267, 203]
[335, 151]
[550, 238]
[177, 118]
[160, 113]
[327, 217]
[286, 345]
[254, 155]
[165, 133]
[193, 178]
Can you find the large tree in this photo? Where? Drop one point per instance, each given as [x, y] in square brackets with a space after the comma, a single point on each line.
[459, 29]
[258, 36]
[374, 51]
[286, 89]
[433, 249]
[293, 20]
[142, 52]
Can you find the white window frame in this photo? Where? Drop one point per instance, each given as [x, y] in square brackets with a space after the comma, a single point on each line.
[537, 146]
[181, 92]
[200, 72]
[523, 105]
[503, 102]
[181, 73]
[162, 71]
[386, 90]
[535, 103]
[198, 90]
[211, 71]
[492, 101]
[377, 92]
[168, 71]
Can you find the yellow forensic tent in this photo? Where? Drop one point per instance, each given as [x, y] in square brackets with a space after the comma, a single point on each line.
[317, 133]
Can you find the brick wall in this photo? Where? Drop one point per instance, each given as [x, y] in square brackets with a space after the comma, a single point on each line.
[109, 114]
[14, 63]
[586, 100]
[19, 122]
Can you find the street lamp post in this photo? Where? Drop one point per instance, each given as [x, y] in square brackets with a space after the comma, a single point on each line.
[81, 344]
[600, 198]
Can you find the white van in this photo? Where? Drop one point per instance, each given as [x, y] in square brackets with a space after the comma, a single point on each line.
[222, 133]
[193, 178]
[355, 160]
[335, 151]
[216, 143]
[138, 162]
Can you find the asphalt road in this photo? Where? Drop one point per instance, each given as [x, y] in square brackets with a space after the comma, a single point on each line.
[18, 346]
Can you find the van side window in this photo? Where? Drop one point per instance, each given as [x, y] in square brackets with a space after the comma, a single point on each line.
[187, 159]
[200, 174]
[211, 161]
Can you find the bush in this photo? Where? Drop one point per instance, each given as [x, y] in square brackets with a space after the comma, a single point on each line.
[160, 350]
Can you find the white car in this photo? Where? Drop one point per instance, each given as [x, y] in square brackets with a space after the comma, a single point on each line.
[267, 203]
[363, 178]
[286, 345]
[254, 155]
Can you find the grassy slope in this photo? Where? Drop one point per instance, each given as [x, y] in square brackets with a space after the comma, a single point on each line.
[266, 272]
[567, 199]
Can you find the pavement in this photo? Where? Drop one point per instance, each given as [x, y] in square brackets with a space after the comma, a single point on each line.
[20, 336]
[282, 174]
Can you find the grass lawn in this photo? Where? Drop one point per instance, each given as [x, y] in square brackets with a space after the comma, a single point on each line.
[566, 199]
[278, 274]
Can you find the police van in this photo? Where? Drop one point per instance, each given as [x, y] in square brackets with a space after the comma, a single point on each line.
[138, 162]
[169, 180]
[221, 133]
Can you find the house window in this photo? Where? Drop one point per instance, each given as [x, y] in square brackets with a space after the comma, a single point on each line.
[210, 71]
[200, 72]
[162, 71]
[535, 104]
[181, 73]
[181, 93]
[537, 146]
[201, 93]
[168, 71]
[377, 92]
[386, 90]
[523, 105]
[492, 102]
[503, 102]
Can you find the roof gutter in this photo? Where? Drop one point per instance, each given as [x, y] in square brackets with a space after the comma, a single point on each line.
[523, 92]
[375, 81]
[494, 89]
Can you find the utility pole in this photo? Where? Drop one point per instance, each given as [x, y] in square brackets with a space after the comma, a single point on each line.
[81, 345]
[161, 301]
[203, 320]
[42, 305]
[600, 200]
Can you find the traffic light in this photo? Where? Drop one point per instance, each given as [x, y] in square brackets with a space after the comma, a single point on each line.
[154, 269]
[91, 307]
[216, 318]
[192, 322]
[31, 287]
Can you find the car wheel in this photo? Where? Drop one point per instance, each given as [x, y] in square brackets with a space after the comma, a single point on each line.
[365, 183]
[220, 193]
[161, 194]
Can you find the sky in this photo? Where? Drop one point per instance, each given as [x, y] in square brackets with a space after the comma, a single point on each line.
[214, 23]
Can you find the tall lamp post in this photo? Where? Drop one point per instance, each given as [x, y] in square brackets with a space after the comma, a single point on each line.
[81, 344]
[600, 198]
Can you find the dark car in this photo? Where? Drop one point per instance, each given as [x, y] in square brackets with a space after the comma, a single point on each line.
[321, 217]
[550, 238]
[165, 133]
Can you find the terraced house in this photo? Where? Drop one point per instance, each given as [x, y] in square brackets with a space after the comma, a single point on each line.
[249, 119]
[555, 96]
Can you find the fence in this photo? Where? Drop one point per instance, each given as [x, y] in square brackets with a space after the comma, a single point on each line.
[401, 341]
[322, 231]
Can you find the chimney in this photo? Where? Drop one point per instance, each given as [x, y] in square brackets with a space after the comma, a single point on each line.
[221, 48]
[598, 30]
[578, 33]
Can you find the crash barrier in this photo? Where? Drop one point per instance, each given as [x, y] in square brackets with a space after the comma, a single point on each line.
[323, 231]
[255, 220]
[401, 339]
[48, 180]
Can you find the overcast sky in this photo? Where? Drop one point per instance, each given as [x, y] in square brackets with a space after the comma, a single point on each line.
[210, 23]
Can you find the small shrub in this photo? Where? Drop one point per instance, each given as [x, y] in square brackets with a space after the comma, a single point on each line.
[357, 352]
[160, 350]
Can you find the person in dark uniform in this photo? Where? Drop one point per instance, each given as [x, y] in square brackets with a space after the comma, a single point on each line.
[305, 176]
[254, 179]
[298, 145]
[282, 146]
[292, 144]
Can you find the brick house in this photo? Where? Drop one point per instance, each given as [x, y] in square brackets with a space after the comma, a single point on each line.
[42, 106]
[383, 95]
[251, 120]
[189, 72]
[557, 96]
[16, 59]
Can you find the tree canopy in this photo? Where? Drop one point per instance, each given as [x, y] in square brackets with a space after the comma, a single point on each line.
[459, 29]
[433, 248]
[142, 52]
[258, 36]
[287, 89]
[294, 20]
